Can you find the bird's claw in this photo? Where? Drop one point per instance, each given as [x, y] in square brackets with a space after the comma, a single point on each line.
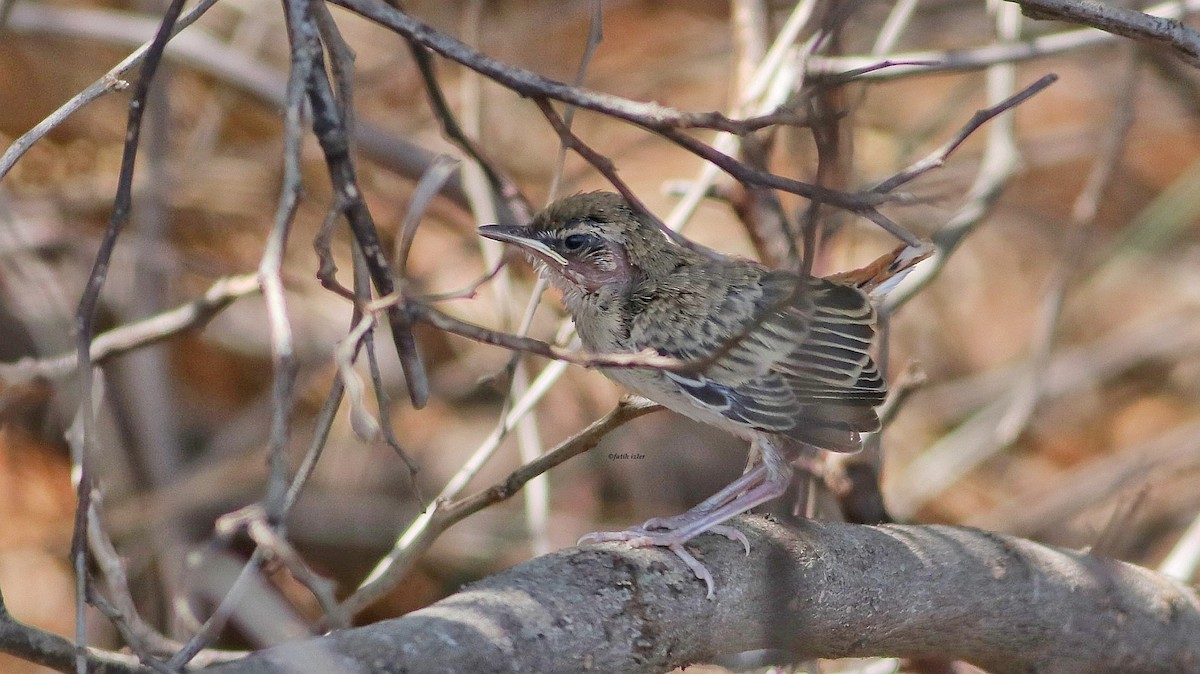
[664, 533]
[697, 568]
[670, 525]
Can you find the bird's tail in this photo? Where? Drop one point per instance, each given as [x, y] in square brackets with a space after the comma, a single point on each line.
[881, 276]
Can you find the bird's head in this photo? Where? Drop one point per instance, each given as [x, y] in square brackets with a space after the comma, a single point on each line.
[589, 243]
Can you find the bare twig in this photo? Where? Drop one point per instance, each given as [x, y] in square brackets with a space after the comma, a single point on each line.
[253, 519]
[445, 513]
[1000, 159]
[141, 637]
[50, 650]
[330, 127]
[109, 82]
[937, 158]
[664, 121]
[126, 338]
[1087, 203]
[501, 183]
[978, 58]
[1130, 23]
[85, 317]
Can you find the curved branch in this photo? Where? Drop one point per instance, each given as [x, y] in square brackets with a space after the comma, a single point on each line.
[820, 590]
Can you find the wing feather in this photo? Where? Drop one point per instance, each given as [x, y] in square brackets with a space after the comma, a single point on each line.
[800, 366]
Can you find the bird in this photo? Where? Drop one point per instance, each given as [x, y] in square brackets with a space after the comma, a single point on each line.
[781, 360]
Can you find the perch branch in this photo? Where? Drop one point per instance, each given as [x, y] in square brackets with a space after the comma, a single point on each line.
[822, 590]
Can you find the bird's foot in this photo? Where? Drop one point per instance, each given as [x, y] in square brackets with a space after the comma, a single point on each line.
[687, 521]
[672, 533]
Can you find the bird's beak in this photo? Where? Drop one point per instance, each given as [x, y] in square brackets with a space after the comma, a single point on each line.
[520, 236]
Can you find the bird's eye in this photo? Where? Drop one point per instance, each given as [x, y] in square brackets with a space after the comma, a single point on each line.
[575, 242]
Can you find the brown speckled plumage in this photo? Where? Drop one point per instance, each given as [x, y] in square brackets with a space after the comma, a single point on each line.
[795, 363]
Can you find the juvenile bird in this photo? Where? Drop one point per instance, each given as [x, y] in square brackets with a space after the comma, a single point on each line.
[786, 359]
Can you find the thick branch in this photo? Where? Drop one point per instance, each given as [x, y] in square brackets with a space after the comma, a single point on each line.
[823, 590]
[1129, 23]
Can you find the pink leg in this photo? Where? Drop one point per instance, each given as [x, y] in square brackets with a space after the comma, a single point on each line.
[763, 483]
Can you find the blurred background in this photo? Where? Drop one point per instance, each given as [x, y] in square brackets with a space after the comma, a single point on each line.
[1059, 387]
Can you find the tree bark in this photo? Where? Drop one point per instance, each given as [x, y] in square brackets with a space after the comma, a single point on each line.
[824, 590]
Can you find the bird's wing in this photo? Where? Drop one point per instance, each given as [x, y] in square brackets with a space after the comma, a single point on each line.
[817, 338]
[788, 360]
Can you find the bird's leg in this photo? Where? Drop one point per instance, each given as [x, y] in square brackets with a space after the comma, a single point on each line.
[750, 479]
[763, 483]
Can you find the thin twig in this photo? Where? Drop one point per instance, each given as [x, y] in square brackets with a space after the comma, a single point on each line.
[85, 317]
[937, 158]
[1087, 203]
[126, 338]
[445, 513]
[1122, 21]
[329, 125]
[109, 82]
[139, 636]
[51, 650]
[253, 519]
[978, 58]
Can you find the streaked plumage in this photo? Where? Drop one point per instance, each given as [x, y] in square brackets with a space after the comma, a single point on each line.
[795, 362]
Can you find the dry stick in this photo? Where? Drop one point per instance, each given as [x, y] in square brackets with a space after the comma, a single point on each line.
[328, 412]
[141, 638]
[85, 317]
[447, 323]
[937, 158]
[269, 537]
[1130, 23]
[595, 37]
[305, 62]
[323, 246]
[528, 83]
[446, 513]
[749, 29]
[109, 82]
[977, 58]
[305, 48]
[1108, 156]
[225, 62]
[627, 410]
[329, 125]
[216, 622]
[655, 118]
[998, 164]
[341, 63]
[130, 336]
[118, 619]
[608, 169]
[503, 185]
[484, 207]
[897, 21]
[763, 94]
[44, 648]
[427, 187]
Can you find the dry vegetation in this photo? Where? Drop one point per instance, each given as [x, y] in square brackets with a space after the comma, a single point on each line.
[1053, 364]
